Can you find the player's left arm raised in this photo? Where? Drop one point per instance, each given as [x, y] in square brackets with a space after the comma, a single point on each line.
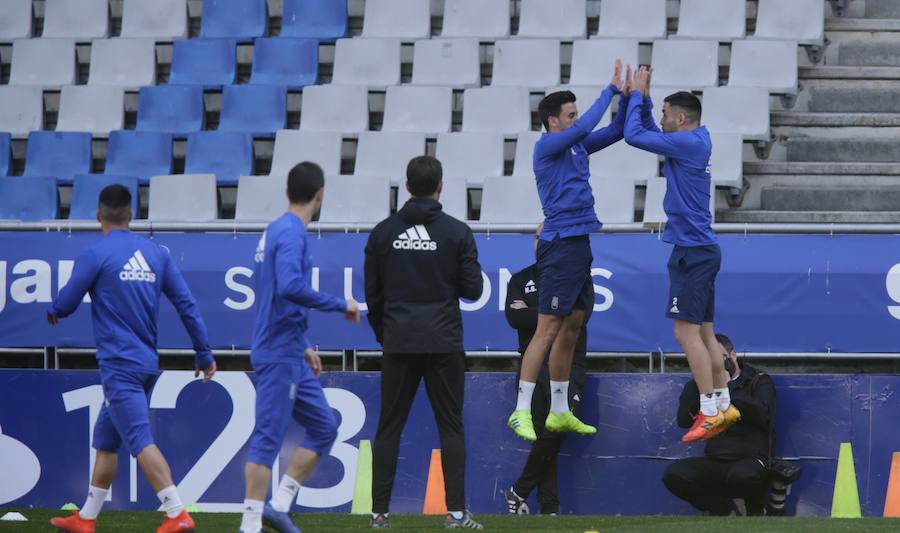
[177, 291]
[84, 275]
[638, 135]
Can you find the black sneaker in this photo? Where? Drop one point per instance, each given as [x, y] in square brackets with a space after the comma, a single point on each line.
[515, 504]
[380, 521]
[465, 522]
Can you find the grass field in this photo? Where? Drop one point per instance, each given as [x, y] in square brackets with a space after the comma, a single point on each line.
[123, 522]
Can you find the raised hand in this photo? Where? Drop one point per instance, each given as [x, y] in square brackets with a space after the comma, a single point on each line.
[352, 314]
[647, 85]
[629, 79]
[641, 81]
[617, 76]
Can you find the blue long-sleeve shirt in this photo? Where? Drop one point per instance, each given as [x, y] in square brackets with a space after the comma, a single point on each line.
[686, 169]
[284, 293]
[561, 168]
[125, 274]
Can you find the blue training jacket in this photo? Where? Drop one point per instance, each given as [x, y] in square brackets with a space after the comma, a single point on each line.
[561, 168]
[125, 274]
[686, 170]
[284, 293]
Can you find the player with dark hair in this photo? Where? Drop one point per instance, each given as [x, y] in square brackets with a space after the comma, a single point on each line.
[125, 274]
[564, 250]
[286, 365]
[696, 257]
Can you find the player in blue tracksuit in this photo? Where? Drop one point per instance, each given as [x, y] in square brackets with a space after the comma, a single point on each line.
[125, 275]
[287, 367]
[564, 250]
[696, 256]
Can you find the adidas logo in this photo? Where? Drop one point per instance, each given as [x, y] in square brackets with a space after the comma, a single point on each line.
[415, 238]
[137, 269]
[530, 287]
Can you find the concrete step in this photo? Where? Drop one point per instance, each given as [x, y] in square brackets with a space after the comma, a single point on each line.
[854, 99]
[771, 168]
[883, 9]
[861, 25]
[835, 120]
[869, 54]
[850, 72]
[808, 217]
[843, 150]
[830, 198]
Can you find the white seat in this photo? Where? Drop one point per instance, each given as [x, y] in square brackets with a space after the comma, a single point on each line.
[768, 64]
[381, 153]
[653, 201]
[623, 161]
[78, 19]
[523, 164]
[557, 19]
[613, 199]
[727, 160]
[343, 108]
[720, 20]
[740, 110]
[261, 198]
[356, 200]
[454, 198]
[21, 109]
[291, 147]
[532, 63]
[800, 21]
[421, 109]
[15, 20]
[183, 198]
[470, 156]
[446, 62]
[160, 19]
[686, 64]
[129, 63]
[374, 63]
[644, 20]
[49, 63]
[484, 19]
[585, 98]
[403, 19]
[98, 109]
[510, 200]
[593, 61]
[497, 109]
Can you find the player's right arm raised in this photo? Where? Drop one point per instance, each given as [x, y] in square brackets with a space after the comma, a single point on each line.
[84, 274]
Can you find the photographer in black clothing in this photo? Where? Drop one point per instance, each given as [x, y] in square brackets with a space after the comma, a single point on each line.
[541, 466]
[735, 464]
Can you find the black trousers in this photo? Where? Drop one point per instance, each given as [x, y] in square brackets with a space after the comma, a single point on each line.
[710, 484]
[541, 466]
[445, 378]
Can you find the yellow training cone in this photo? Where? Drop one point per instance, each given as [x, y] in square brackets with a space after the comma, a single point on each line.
[845, 503]
[362, 490]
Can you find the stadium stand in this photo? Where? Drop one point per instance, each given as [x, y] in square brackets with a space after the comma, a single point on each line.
[387, 154]
[530, 63]
[188, 197]
[508, 199]
[164, 20]
[5, 154]
[585, 97]
[644, 20]
[523, 161]
[15, 20]
[257, 109]
[720, 20]
[496, 109]
[768, 64]
[243, 20]
[593, 60]
[613, 199]
[211, 63]
[139, 154]
[351, 199]
[343, 108]
[454, 198]
[401, 19]
[483, 19]
[624, 161]
[291, 63]
[60, 155]
[470, 156]
[98, 109]
[552, 20]
[374, 63]
[49, 63]
[21, 110]
[799, 21]
[447, 62]
[260, 198]
[420, 109]
[86, 190]
[324, 20]
[727, 159]
[292, 147]
[28, 198]
[685, 64]
[741, 110]
[128, 63]
[653, 201]
[82, 20]
[226, 154]
[170, 109]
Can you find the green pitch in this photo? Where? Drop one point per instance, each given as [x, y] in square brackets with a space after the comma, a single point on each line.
[123, 522]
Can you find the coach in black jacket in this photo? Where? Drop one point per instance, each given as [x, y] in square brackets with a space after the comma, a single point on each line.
[419, 262]
[735, 463]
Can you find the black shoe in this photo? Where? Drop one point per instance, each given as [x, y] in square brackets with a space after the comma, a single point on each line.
[515, 504]
[380, 521]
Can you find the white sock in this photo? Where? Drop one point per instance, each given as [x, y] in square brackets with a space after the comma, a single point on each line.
[526, 391]
[708, 404]
[285, 494]
[252, 519]
[559, 396]
[171, 501]
[94, 502]
[723, 398]
[457, 515]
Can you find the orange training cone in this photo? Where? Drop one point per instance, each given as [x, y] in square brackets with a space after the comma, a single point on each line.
[892, 501]
[435, 499]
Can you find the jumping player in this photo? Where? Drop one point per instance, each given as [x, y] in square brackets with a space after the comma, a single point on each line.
[287, 368]
[696, 256]
[125, 274]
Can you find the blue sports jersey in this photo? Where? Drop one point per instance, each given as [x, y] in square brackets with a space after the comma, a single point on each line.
[125, 274]
[284, 293]
[561, 168]
[686, 170]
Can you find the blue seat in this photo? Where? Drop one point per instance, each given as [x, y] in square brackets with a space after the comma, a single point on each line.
[226, 154]
[86, 194]
[28, 198]
[244, 20]
[325, 20]
[60, 155]
[287, 62]
[139, 153]
[5, 154]
[207, 62]
[176, 109]
[257, 109]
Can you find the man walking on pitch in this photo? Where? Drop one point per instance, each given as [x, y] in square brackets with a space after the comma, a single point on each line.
[419, 262]
[287, 368]
[696, 256]
[125, 274]
[564, 251]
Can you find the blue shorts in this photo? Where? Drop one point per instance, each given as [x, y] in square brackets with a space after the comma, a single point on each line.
[692, 283]
[285, 390]
[125, 414]
[564, 267]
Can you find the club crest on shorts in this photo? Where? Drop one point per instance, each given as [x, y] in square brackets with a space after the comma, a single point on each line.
[554, 303]
[674, 310]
